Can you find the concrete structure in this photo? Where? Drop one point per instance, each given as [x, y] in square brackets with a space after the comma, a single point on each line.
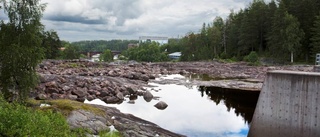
[160, 40]
[288, 106]
[316, 68]
[175, 55]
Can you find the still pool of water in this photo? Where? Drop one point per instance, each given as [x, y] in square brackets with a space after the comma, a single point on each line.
[192, 111]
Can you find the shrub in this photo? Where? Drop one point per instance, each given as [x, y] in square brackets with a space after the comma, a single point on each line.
[18, 120]
[252, 58]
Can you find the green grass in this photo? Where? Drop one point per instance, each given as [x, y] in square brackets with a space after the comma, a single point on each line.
[65, 106]
[19, 121]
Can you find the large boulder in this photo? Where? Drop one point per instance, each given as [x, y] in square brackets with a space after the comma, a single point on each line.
[111, 100]
[51, 84]
[80, 92]
[87, 120]
[120, 96]
[41, 97]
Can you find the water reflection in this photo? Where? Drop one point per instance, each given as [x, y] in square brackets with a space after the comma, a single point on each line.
[191, 113]
[243, 102]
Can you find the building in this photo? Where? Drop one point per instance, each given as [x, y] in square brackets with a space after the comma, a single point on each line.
[160, 40]
[175, 55]
[95, 58]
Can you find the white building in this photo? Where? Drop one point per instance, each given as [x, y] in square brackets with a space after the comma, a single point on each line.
[175, 55]
[160, 40]
[95, 58]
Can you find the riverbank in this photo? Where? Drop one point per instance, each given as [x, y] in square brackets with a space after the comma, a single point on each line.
[116, 82]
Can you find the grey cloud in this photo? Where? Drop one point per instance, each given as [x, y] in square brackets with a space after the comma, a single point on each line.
[127, 19]
[94, 11]
[74, 19]
[122, 9]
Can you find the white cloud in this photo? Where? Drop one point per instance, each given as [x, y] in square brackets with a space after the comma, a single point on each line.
[125, 19]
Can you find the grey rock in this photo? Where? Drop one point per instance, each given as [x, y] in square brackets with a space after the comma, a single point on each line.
[80, 92]
[111, 99]
[66, 88]
[131, 90]
[87, 120]
[90, 98]
[144, 77]
[120, 96]
[72, 97]
[147, 96]
[161, 105]
[51, 90]
[103, 93]
[82, 99]
[55, 96]
[41, 97]
[51, 84]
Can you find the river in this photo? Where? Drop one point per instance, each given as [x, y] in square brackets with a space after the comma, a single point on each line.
[194, 111]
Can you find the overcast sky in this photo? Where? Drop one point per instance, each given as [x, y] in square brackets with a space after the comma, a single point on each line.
[76, 20]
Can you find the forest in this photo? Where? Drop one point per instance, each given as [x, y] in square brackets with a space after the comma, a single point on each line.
[101, 45]
[282, 30]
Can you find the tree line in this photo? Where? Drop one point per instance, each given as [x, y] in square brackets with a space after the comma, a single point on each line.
[101, 45]
[282, 30]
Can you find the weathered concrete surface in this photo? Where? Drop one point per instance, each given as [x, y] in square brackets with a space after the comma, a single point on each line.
[316, 68]
[288, 106]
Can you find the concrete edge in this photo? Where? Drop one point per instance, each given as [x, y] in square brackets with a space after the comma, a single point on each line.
[294, 72]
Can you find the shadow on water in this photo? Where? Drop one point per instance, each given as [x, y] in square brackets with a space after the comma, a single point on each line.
[206, 77]
[244, 102]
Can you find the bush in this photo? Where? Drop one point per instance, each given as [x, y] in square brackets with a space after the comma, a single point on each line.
[18, 120]
[252, 58]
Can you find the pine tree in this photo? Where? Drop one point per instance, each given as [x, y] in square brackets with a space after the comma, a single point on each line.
[285, 37]
[315, 39]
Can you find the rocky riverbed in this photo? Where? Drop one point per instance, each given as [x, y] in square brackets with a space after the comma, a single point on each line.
[116, 82]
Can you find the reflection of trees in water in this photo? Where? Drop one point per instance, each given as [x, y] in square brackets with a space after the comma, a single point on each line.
[243, 102]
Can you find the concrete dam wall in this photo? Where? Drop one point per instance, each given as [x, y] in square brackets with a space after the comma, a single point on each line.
[288, 106]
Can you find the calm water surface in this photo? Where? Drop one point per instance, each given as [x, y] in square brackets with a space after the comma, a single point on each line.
[193, 111]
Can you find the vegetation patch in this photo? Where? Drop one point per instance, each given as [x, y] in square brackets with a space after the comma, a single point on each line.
[18, 120]
[72, 65]
[65, 106]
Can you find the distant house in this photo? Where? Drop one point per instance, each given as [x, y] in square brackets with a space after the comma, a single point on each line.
[175, 55]
[95, 58]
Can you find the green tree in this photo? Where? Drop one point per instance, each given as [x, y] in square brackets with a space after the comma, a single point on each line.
[20, 48]
[216, 36]
[305, 11]
[252, 29]
[286, 35]
[147, 52]
[51, 44]
[70, 52]
[106, 56]
[315, 39]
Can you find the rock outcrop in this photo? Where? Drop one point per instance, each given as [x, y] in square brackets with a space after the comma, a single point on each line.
[127, 124]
